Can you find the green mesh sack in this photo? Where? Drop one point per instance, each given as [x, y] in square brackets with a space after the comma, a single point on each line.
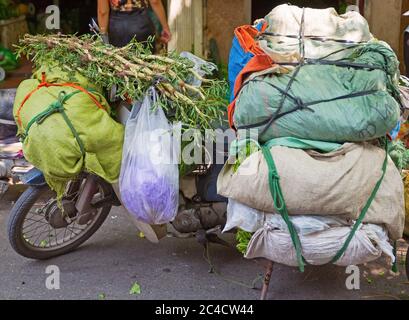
[67, 129]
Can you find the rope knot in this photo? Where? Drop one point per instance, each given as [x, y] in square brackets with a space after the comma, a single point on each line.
[275, 176]
[56, 106]
[299, 102]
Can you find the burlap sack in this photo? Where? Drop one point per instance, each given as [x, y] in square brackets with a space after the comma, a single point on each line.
[286, 20]
[336, 183]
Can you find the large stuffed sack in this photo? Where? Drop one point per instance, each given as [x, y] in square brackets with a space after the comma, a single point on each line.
[336, 183]
[318, 248]
[52, 145]
[240, 216]
[286, 22]
[321, 237]
[325, 102]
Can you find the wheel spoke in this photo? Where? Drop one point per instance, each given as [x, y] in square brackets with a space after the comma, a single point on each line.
[73, 231]
[40, 230]
[65, 232]
[29, 219]
[56, 238]
[76, 228]
[25, 231]
[39, 235]
[40, 221]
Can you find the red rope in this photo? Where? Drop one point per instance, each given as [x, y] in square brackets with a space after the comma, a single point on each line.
[46, 84]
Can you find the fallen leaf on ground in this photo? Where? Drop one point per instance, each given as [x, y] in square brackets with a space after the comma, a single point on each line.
[136, 289]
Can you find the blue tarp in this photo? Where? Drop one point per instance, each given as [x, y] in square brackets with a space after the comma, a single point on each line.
[237, 61]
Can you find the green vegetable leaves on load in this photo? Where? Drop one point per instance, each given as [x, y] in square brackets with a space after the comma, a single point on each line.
[243, 238]
[244, 151]
[133, 69]
[399, 155]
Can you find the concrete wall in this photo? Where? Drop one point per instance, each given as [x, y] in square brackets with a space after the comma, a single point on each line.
[222, 17]
[384, 17]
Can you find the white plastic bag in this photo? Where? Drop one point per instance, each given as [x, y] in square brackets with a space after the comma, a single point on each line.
[149, 180]
[249, 219]
[202, 67]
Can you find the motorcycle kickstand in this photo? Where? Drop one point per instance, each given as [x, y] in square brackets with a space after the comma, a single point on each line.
[266, 281]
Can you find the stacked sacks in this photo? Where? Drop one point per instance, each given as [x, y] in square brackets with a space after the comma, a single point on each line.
[66, 128]
[316, 99]
[333, 187]
[339, 84]
[331, 184]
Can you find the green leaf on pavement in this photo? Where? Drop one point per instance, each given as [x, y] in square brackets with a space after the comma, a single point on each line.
[101, 296]
[43, 243]
[136, 289]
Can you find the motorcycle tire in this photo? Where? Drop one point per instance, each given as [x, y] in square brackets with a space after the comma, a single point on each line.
[17, 218]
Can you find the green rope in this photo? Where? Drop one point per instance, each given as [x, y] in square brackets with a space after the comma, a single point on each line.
[279, 203]
[365, 209]
[57, 107]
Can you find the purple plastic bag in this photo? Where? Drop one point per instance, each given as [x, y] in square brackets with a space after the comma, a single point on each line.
[149, 180]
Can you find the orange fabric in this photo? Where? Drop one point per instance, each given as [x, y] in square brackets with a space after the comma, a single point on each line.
[404, 131]
[44, 83]
[246, 35]
[258, 63]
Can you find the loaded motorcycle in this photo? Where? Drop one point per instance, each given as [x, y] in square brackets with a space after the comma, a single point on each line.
[41, 227]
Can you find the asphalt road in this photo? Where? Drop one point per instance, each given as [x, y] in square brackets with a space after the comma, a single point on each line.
[108, 264]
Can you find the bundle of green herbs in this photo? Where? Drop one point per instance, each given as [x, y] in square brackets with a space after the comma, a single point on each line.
[133, 69]
[243, 238]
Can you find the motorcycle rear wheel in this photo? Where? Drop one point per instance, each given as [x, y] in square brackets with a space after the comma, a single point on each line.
[47, 244]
